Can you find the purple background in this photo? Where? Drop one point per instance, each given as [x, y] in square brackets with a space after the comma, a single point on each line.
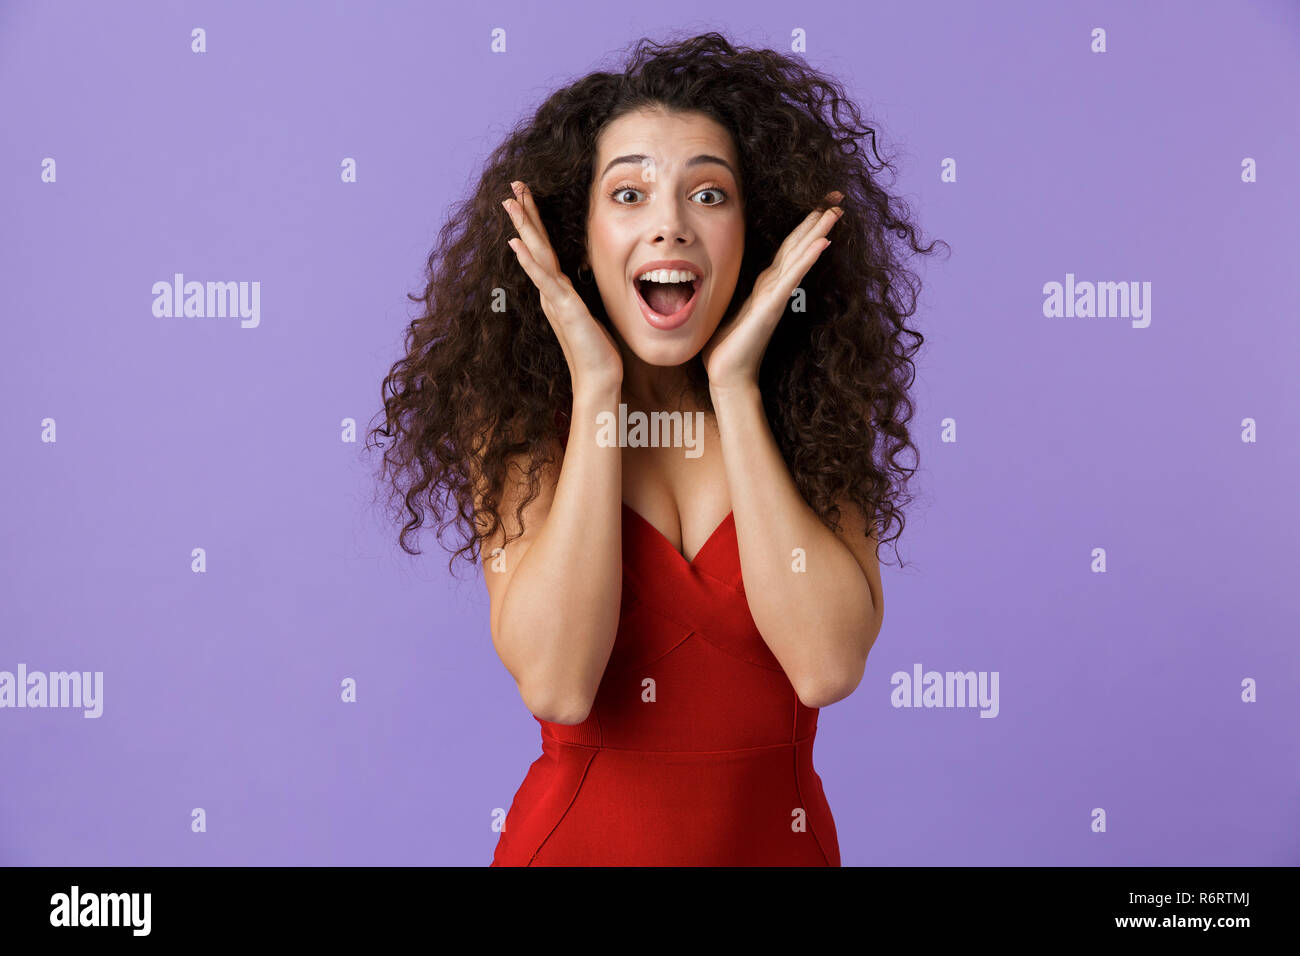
[1119, 690]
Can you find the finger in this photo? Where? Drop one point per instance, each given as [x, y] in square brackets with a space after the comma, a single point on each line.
[532, 240]
[534, 217]
[811, 231]
[805, 262]
[798, 260]
[529, 223]
[540, 276]
[827, 219]
[555, 295]
[525, 197]
[813, 222]
[799, 231]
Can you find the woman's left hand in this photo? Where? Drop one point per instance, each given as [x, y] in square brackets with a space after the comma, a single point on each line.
[733, 354]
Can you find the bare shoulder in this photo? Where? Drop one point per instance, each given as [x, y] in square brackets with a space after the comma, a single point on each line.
[503, 548]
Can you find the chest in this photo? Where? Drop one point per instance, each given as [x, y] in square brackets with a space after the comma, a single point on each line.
[684, 496]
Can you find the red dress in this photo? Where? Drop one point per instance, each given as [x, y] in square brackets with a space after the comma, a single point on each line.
[697, 751]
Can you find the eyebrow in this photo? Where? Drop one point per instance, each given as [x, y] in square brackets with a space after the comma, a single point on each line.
[638, 158]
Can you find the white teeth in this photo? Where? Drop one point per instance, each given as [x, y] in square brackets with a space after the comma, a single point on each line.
[668, 275]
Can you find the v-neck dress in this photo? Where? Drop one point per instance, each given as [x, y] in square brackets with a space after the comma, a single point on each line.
[697, 750]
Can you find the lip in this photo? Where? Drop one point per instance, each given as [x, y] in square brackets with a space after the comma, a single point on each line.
[679, 318]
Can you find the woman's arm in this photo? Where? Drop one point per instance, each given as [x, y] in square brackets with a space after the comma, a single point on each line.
[556, 590]
[820, 622]
[815, 597]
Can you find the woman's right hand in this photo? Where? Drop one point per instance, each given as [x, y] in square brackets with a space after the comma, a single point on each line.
[594, 360]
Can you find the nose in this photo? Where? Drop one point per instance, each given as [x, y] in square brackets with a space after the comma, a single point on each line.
[672, 232]
[672, 225]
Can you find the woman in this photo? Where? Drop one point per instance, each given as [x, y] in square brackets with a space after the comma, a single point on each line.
[673, 484]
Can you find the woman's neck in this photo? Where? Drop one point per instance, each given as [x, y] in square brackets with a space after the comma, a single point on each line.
[657, 388]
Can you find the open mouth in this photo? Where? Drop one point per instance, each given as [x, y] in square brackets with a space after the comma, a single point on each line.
[667, 304]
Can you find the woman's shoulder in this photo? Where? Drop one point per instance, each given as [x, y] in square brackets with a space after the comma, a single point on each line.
[509, 483]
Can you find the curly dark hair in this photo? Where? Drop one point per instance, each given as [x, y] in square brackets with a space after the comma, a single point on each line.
[479, 387]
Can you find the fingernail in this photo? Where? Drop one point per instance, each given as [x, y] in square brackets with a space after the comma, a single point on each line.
[517, 187]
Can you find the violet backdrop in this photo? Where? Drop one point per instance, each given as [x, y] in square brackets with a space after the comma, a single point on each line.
[1120, 690]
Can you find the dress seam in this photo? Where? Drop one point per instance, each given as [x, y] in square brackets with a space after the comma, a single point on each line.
[730, 750]
[718, 645]
[620, 668]
[713, 577]
[576, 791]
[696, 631]
[798, 789]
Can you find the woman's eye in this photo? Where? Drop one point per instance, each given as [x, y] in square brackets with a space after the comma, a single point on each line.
[623, 190]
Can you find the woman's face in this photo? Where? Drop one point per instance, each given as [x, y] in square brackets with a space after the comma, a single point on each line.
[666, 188]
